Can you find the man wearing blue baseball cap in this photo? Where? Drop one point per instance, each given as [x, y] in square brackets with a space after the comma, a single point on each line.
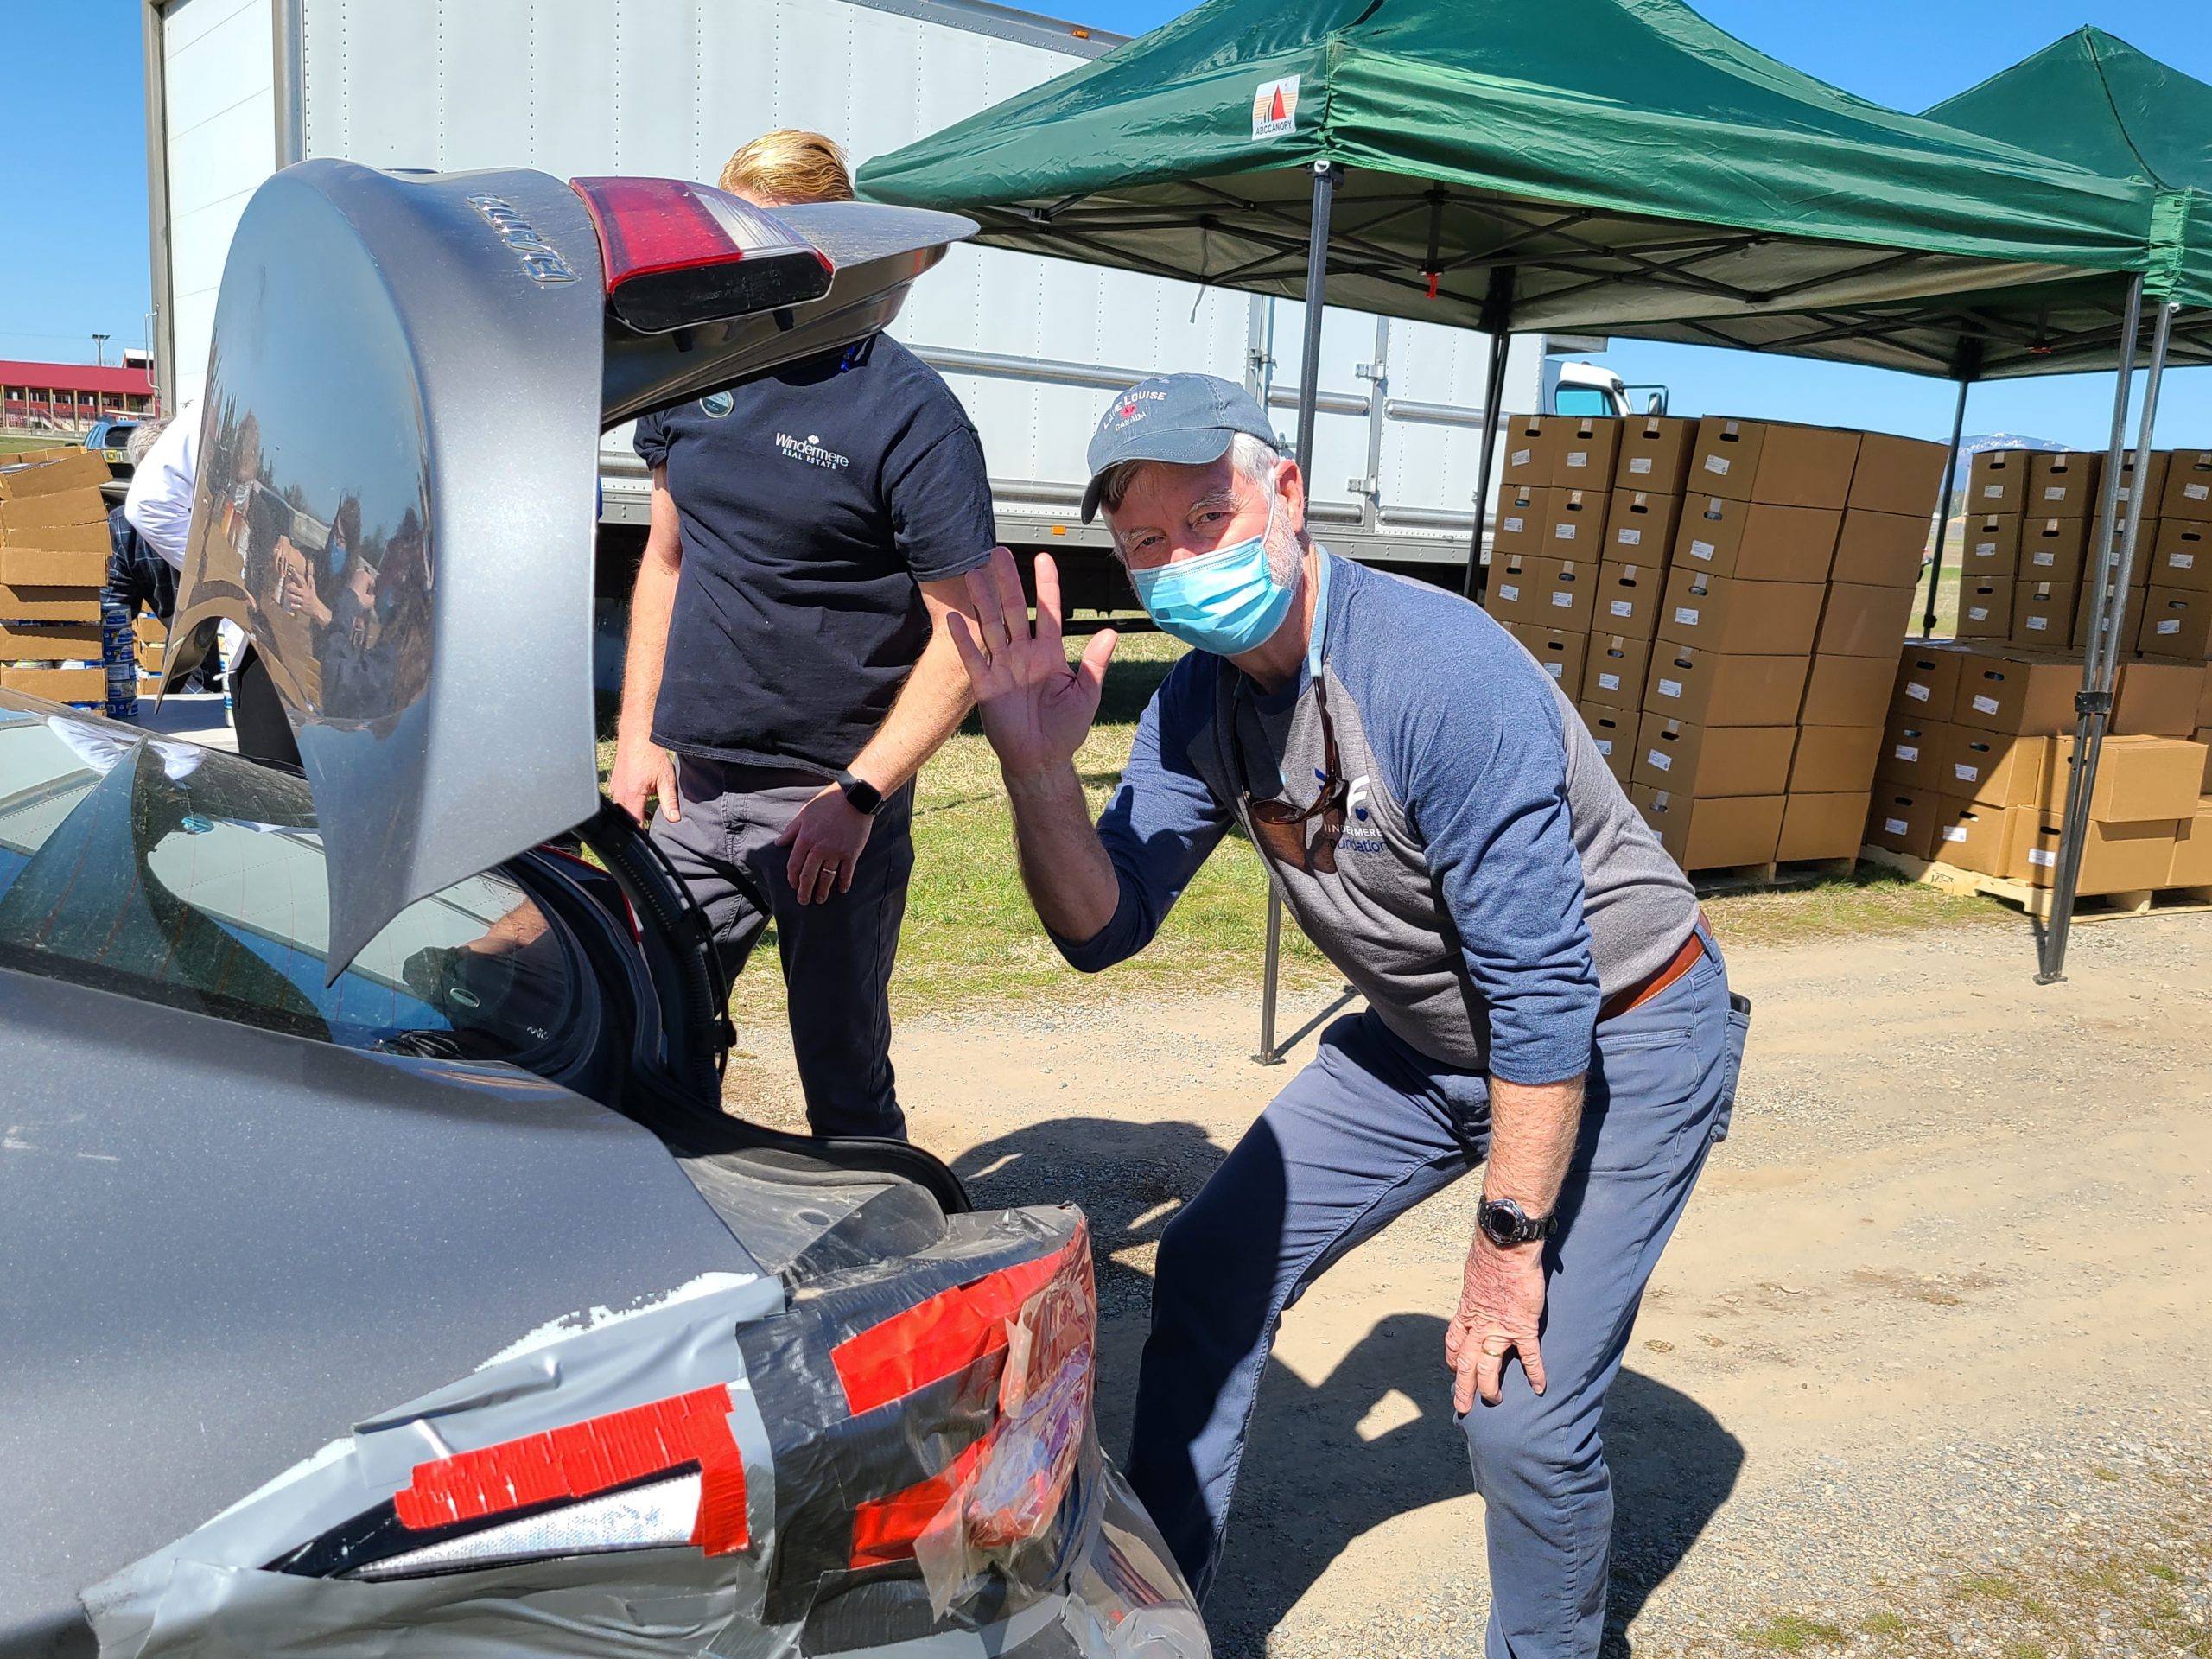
[1544, 1002]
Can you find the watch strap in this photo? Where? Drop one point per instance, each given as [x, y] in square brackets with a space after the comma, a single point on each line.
[866, 798]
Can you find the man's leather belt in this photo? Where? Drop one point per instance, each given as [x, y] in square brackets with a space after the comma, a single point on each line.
[1634, 996]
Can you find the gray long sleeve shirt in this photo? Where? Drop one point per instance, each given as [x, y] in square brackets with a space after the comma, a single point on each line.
[1493, 886]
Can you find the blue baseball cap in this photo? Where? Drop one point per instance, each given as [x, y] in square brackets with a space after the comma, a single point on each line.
[1187, 419]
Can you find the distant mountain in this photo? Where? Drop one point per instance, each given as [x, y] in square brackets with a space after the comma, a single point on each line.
[1975, 445]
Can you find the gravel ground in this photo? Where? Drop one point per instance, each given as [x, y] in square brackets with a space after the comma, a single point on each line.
[1922, 1372]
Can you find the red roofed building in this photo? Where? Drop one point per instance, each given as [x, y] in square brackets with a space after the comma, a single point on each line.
[70, 395]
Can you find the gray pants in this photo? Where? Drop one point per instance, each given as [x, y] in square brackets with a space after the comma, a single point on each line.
[836, 955]
[1360, 1137]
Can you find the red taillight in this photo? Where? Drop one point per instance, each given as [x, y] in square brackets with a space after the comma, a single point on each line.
[1005, 1487]
[677, 254]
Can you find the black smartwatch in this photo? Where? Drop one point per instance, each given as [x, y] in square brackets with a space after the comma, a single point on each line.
[1506, 1224]
[866, 799]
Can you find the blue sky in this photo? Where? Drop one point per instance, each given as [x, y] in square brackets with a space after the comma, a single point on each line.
[81, 184]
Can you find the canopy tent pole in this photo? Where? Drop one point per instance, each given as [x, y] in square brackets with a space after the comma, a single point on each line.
[1501, 345]
[1943, 506]
[2101, 660]
[1325, 174]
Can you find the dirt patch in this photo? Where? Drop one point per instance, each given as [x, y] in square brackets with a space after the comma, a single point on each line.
[1922, 1371]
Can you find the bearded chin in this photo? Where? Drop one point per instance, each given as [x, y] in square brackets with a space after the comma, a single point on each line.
[1285, 560]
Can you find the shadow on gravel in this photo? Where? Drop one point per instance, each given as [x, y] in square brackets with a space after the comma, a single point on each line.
[1373, 1440]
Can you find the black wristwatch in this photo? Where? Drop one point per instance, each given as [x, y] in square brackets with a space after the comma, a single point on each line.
[866, 798]
[1506, 1224]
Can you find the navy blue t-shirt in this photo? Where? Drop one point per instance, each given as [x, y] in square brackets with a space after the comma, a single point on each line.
[812, 503]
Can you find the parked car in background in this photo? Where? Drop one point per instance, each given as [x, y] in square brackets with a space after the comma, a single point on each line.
[385, 1272]
[113, 439]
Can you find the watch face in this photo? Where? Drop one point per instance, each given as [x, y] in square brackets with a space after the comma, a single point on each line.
[1501, 1222]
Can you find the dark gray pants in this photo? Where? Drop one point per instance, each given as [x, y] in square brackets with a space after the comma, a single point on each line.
[837, 956]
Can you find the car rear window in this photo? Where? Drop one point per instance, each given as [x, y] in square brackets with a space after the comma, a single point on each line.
[192, 878]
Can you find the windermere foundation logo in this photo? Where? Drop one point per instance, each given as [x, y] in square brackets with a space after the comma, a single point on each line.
[809, 450]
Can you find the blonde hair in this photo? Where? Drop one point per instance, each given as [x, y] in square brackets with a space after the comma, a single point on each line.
[787, 166]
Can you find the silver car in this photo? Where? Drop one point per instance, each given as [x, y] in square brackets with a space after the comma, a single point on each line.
[383, 1275]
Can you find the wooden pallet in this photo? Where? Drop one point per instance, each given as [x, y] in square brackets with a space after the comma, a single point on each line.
[1755, 878]
[2036, 901]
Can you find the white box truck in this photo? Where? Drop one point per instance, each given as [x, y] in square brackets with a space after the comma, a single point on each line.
[237, 88]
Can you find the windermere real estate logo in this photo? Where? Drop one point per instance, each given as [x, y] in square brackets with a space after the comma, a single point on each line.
[809, 450]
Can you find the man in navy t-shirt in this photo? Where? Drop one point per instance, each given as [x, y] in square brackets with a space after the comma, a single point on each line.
[788, 671]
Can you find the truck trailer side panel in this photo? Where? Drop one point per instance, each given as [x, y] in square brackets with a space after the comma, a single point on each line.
[1031, 345]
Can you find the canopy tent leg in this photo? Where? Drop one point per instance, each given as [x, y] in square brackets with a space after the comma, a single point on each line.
[1325, 174]
[1943, 509]
[1501, 345]
[2101, 660]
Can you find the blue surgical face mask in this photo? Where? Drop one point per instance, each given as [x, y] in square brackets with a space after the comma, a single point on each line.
[1225, 602]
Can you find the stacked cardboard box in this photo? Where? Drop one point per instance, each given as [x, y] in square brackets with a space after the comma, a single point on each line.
[1975, 762]
[1775, 639]
[1551, 531]
[54, 551]
[2032, 535]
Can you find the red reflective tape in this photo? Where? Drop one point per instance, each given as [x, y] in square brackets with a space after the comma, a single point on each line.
[580, 1459]
[883, 1529]
[940, 1337]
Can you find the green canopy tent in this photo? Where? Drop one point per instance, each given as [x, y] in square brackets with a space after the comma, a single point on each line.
[2093, 100]
[1616, 166]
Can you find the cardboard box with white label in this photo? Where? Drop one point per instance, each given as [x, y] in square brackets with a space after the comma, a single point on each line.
[1529, 444]
[1640, 526]
[2180, 556]
[1993, 768]
[2063, 484]
[1709, 762]
[2187, 493]
[1901, 821]
[1990, 549]
[1986, 609]
[1615, 670]
[1614, 731]
[1557, 652]
[1575, 526]
[1912, 752]
[1928, 677]
[1974, 835]
[1776, 462]
[1997, 481]
[1584, 449]
[1629, 597]
[1755, 541]
[2129, 857]
[1655, 453]
[1720, 687]
[2043, 612]
[1768, 618]
[2176, 623]
[2020, 696]
[1524, 512]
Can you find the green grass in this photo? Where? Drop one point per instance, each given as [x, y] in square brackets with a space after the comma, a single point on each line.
[1794, 1633]
[23, 442]
[1871, 902]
